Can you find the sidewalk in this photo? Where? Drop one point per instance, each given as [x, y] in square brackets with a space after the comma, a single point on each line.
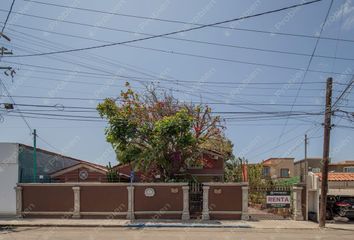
[263, 224]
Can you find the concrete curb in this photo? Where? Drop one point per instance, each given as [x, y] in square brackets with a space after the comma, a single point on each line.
[186, 226]
[133, 225]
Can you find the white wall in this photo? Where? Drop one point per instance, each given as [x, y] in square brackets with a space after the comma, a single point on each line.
[8, 177]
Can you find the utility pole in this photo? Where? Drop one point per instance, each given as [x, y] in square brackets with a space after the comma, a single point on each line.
[306, 164]
[34, 155]
[325, 160]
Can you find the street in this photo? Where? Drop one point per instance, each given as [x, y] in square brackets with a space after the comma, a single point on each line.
[56, 233]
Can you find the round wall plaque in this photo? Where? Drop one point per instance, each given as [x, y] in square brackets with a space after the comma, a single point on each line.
[149, 192]
[83, 174]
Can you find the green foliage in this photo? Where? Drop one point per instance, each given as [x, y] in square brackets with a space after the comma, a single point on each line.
[233, 169]
[287, 182]
[112, 175]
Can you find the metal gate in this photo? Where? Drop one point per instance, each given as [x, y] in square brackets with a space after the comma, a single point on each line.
[260, 209]
[195, 199]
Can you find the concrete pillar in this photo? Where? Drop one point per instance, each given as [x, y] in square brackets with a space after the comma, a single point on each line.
[185, 213]
[297, 205]
[130, 214]
[317, 202]
[205, 213]
[18, 201]
[245, 215]
[76, 213]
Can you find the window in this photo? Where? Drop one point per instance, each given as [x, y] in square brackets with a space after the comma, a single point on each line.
[266, 171]
[284, 172]
[315, 170]
[349, 169]
[194, 164]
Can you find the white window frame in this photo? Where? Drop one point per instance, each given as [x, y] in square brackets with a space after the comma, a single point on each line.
[345, 169]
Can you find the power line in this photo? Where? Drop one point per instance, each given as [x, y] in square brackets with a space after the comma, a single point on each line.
[183, 22]
[186, 23]
[182, 39]
[348, 87]
[8, 16]
[307, 69]
[192, 102]
[12, 100]
[170, 33]
[209, 58]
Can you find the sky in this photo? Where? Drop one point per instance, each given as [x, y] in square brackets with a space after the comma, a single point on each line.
[238, 74]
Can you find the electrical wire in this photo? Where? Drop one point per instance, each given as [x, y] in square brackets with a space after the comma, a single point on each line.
[8, 16]
[169, 33]
[307, 68]
[182, 39]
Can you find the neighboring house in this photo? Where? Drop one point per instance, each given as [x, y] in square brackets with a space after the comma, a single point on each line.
[17, 166]
[277, 168]
[343, 166]
[304, 166]
[339, 184]
[8, 178]
[47, 162]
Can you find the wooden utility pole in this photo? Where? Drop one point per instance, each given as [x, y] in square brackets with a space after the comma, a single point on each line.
[325, 159]
[34, 155]
[306, 164]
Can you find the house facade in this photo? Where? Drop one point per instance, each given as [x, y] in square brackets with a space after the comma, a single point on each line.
[304, 166]
[343, 166]
[17, 166]
[278, 168]
[210, 168]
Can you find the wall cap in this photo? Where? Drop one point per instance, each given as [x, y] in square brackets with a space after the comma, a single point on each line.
[78, 184]
[225, 184]
[160, 184]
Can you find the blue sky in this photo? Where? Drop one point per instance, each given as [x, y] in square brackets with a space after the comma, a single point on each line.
[254, 138]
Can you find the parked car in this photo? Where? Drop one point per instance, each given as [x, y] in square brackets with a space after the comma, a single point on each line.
[340, 206]
[350, 200]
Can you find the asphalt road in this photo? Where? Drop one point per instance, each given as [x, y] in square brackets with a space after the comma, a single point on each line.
[55, 233]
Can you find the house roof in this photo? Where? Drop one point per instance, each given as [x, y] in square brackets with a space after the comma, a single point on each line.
[343, 163]
[90, 166]
[338, 176]
[309, 158]
[269, 160]
[62, 156]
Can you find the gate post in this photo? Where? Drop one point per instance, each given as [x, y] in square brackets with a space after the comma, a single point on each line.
[130, 214]
[76, 213]
[297, 205]
[185, 213]
[205, 213]
[18, 202]
[245, 203]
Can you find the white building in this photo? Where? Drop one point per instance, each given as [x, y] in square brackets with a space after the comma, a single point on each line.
[8, 177]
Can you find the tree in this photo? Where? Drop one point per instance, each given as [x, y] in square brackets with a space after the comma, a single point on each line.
[233, 169]
[157, 134]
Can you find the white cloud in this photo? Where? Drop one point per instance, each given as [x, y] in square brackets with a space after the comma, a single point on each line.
[347, 11]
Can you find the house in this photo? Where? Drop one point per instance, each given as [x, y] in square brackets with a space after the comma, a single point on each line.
[277, 168]
[339, 184]
[17, 166]
[81, 172]
[210, 168]
[343, 166]
[311, 164]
